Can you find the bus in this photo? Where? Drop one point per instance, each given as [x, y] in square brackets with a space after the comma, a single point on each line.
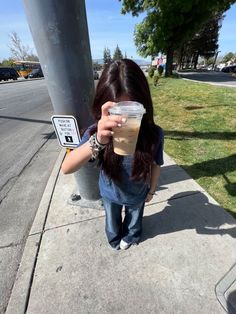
[25, 67]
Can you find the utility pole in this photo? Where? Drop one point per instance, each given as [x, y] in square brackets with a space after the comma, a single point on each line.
[60, 33]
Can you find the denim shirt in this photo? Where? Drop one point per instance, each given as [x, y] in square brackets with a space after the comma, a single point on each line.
[127, 191]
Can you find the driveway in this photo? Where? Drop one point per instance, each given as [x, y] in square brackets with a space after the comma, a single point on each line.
[211, 77]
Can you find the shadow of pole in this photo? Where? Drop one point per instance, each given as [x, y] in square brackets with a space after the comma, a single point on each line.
[188, 210]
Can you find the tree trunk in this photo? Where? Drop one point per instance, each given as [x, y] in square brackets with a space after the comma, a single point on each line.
[196, 60]
[180, 59]
[169, 61]
[191, 62]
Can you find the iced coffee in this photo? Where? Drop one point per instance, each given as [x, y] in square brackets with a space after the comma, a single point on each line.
[125, 136]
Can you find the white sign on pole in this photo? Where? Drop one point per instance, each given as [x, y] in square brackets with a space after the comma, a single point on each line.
[66, 129]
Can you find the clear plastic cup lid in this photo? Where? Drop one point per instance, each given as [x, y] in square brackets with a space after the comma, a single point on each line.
[127, 107]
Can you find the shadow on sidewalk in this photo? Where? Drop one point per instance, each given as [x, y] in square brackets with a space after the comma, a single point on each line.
[185, 211]
[209, 168]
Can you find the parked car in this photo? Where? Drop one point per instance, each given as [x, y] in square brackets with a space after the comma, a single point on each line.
[229, 69]
[8, 73]
[95, 75]
[36, 73]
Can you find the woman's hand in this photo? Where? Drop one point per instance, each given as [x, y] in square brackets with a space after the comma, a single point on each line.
[149, 198]
[107, 123]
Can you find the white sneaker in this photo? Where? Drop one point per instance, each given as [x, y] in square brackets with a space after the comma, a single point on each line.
[124, 245]
[116, 248]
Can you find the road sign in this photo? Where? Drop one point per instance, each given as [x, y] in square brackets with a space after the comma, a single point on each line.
[66, 129]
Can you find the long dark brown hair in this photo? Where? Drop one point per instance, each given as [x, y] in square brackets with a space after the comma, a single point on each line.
[120, 79]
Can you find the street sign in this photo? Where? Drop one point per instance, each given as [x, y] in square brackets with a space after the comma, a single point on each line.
[66, 129]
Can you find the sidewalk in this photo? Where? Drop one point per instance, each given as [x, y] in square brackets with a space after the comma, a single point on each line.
[184, 264]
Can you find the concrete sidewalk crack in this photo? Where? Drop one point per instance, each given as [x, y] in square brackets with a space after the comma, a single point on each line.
[10, 245]
[66, 225]
[73, 223]
[102, 216]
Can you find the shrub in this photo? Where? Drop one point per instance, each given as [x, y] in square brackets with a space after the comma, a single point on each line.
[155, 79]
[151, 71]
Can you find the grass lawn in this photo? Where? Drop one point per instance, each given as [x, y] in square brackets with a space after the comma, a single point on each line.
[199, 122]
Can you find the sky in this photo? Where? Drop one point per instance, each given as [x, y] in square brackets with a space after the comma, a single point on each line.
[107, 28]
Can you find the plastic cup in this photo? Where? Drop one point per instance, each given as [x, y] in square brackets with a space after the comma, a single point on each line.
[125, 136]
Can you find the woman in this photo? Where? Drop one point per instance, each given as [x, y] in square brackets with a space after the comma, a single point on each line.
[124, 180]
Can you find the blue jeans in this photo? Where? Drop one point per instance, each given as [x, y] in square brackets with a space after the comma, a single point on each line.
[131, 228]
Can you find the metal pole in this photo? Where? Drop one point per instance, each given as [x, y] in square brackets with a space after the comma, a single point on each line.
[60, 34]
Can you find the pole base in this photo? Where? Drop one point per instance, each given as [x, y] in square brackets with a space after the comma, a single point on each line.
[75, 199]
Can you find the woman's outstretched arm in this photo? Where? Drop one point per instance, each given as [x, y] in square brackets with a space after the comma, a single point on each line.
[76, 158]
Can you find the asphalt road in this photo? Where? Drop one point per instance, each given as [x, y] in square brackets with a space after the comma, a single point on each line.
[212, 77]
[28, 149]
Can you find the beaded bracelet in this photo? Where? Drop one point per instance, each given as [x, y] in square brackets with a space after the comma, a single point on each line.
[95, 145]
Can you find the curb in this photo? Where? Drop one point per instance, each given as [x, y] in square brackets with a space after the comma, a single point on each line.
[39, 220]
[20, 294]
[210, 83]
[25, 80]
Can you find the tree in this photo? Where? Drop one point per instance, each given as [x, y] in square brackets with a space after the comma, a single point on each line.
[151, 71]
[32, 57]
[229, 57]
[7, 62]
[209, 61]
[117, 54]
[204, 43]
[106, 56]
[168, 24]
[20, 51]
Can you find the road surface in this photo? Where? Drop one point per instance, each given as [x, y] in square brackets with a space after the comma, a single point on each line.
[212, 77]
[28, 150]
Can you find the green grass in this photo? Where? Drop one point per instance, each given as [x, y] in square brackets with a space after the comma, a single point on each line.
[199, 122]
